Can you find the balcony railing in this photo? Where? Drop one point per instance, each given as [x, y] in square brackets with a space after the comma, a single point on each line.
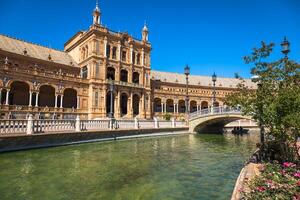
[121, 83]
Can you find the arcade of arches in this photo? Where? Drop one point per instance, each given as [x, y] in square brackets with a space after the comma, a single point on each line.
[123, 105]
[19, 93]
[178, 106]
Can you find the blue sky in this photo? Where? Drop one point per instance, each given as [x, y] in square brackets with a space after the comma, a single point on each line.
[209, 35]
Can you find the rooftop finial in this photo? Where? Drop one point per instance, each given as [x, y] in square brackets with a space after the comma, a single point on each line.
[97, 5]
[145, 26]
[97, 14]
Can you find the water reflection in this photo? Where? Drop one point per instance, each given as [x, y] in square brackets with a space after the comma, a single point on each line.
[179, 167]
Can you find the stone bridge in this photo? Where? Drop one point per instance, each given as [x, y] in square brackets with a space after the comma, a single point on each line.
[214, 119]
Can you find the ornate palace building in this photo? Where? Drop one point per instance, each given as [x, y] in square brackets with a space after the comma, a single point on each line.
[62, 84]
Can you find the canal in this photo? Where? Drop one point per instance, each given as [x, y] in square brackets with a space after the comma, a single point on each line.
[185, 167]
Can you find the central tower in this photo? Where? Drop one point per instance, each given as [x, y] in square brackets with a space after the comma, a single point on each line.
[104, 56]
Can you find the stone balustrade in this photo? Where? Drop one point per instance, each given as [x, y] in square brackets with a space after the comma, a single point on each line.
[31, 126]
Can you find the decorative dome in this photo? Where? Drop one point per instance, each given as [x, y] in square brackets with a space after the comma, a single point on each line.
[145, 29]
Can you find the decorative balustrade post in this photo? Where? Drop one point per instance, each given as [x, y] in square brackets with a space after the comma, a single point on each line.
[77, 124]
[156, 125]
[29, 128]
[136, 123]
[111, 124]
[173, 123]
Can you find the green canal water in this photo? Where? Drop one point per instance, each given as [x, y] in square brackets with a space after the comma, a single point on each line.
[186, 167]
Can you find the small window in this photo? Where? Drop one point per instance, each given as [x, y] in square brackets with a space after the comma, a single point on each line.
[97, 48]
[114, 53]
[97, 70]
[108, 51]
[124, 54]
[84, 72]
[96, 99]
[133, 57]
[138, 59]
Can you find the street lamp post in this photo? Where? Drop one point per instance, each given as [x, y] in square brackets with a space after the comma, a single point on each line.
[111, 90]
[256, 79]
[285, 45]
[187, 73]
[214, 80]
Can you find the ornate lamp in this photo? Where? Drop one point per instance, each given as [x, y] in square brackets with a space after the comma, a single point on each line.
[285, 45]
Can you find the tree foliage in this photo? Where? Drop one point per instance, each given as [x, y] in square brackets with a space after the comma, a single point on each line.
[275, 104]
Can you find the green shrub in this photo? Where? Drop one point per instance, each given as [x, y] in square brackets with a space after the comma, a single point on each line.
[167, 116]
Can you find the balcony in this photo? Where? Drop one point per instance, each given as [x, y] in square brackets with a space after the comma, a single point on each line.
[126, 84]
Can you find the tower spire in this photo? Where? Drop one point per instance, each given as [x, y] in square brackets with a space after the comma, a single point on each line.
[145, 32]
[97, 14]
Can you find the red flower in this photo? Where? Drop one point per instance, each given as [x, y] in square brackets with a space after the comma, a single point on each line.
[298, 183]
[260, 188]
[288, 164]
[297, 174]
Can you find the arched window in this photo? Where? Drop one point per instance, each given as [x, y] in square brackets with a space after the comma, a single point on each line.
[136, 77]
[204, 105]
[110, 74]
[170, 105]
[124, 75]
[124, 104]
[47, 96]
[70, 98]
[193, 106]
[136, 105]
[19, 93]
[157, 105]
[181, 106]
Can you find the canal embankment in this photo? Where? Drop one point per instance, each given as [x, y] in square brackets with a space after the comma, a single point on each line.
[249, 171]
[16, 142]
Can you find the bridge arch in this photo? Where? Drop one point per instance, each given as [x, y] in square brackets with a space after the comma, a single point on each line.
[213, 120]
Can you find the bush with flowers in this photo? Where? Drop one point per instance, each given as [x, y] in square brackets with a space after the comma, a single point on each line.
[277, 181]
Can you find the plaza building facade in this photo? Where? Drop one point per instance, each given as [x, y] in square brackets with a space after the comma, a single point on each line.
[50, 83]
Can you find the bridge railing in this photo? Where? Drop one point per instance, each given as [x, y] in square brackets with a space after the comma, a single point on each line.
[214, 111]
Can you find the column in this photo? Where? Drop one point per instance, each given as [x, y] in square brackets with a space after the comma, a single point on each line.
[30, 98]
[142, 113]
[162, 107]
[131, 53]
[174, 109]
[36, 99]
[177, 108]
[78, 102]
[130, 109]
[0, 96]
[7, 97]
[61, 101]
[143, 57]
[105, 47]
[56, 101]
[120, 53]
[118, 104]
[165, 109]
